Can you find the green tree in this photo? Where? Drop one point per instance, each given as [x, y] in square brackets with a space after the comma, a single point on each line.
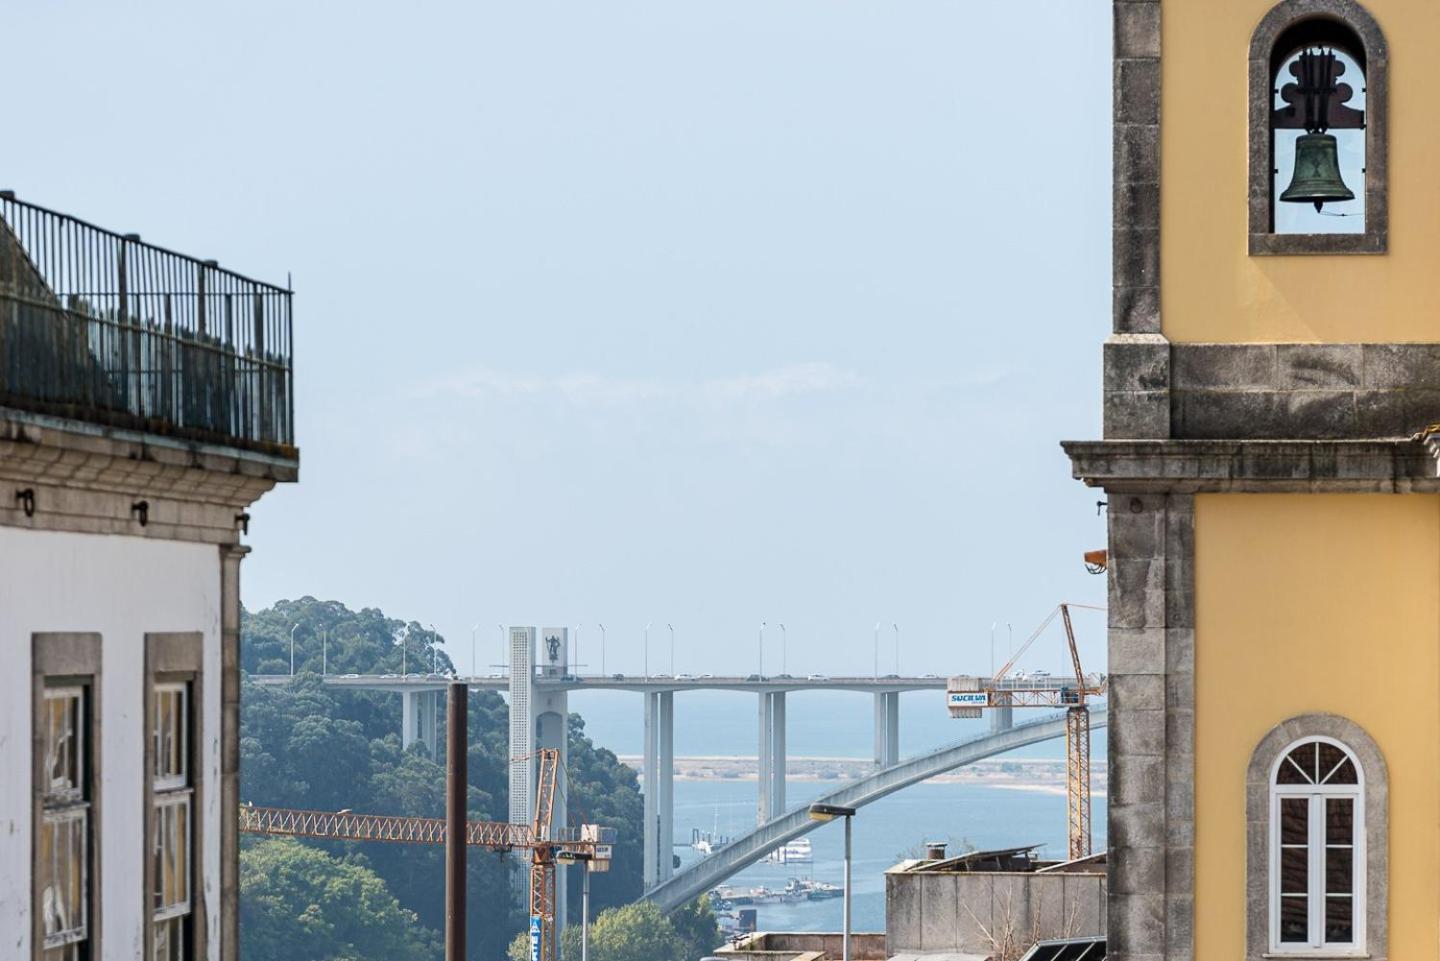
[638, 932]
[300, 904]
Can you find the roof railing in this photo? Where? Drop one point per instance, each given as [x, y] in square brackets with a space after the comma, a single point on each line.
[102, 327]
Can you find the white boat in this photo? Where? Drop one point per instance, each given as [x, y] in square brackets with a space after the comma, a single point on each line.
[792, 852]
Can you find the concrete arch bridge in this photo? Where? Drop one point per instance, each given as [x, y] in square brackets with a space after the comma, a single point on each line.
[749, 848]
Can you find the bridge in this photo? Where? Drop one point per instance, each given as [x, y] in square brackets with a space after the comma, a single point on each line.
[749, 848]
[539, 690]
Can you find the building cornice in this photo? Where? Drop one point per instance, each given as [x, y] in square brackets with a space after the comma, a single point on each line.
[1256, 466]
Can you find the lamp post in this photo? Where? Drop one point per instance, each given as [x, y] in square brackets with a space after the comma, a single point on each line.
[404, 651]
[575, 666]
[474, 662]
[434, 651]
[829, 812]
[877, 650]
[897, 649]
[602, 650]
[582, 857]
[672, 649]
[504, 650]
[325, 652]
[784, 643]
[762, 651]
[647, 650]
[293, 629]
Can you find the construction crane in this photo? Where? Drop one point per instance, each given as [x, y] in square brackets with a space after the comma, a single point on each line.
[541, 838]
[966, 696]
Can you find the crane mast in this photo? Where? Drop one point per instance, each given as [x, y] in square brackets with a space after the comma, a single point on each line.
[967, 695]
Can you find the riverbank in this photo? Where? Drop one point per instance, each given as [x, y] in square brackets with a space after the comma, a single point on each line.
[1043, 775]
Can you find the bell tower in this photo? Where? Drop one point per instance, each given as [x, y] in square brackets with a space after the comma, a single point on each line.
[1270, 385]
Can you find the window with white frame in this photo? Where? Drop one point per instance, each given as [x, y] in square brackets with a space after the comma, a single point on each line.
[63, 862]
[170, 821]
[1317, 850]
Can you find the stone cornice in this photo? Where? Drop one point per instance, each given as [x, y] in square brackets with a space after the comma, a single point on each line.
[89, 479]
[1260, 466]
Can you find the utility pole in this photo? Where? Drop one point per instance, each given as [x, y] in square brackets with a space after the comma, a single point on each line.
[456, 779]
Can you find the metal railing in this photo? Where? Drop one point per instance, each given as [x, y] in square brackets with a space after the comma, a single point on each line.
[101, 327]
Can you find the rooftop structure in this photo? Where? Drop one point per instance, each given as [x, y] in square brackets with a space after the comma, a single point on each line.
[101, 327]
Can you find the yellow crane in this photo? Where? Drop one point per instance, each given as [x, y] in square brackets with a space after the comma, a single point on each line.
[967, 695]
[541, 838]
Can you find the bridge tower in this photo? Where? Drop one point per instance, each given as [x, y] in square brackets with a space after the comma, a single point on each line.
[538, 719]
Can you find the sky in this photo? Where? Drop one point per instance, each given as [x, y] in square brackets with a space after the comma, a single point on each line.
[702, 314]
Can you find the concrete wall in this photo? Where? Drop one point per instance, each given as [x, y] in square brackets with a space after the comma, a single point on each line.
[1309, 603]
[121, 588]
[944, 911]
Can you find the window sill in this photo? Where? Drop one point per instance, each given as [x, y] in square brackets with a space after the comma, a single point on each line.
[1313, 955]
[1302, 244]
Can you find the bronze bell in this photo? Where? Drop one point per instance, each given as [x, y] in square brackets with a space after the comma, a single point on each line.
[1317, 172]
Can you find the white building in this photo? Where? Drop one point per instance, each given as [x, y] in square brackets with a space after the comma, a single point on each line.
[145, 403]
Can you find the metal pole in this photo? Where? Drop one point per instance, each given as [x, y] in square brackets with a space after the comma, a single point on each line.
[672, 649]
[456, 778]
[474, 664]
[784, 643]
[647, 649]
[897, 649]
[504, 650]
[845, 924]
[602, 650]
[585, 915]
[292, 649]
[434, 651]
[324, 653]
[762, 649]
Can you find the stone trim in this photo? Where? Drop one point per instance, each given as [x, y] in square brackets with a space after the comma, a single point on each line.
[1136, 158]
[1257, 466]
[55, 656]
[1299, 391]
[1151, 717]
[177, 657]
[1375, 239]
[229, 935]
[1257, 827]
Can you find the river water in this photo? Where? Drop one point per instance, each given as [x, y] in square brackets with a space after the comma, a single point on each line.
[827, 724]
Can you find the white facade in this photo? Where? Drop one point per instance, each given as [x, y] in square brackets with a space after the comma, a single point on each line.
[120, 588]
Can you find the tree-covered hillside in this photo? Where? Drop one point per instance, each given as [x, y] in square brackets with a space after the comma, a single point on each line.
[308, 746]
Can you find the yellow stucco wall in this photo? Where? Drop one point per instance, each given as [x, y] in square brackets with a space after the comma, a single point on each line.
[1310, 603]
[1211, 289]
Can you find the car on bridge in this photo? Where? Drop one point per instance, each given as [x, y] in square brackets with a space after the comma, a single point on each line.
[817, 677]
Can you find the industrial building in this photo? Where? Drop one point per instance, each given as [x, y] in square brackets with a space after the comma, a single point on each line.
[146, 401]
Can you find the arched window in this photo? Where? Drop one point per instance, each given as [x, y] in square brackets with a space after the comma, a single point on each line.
[1317, 130]
[1317, 849]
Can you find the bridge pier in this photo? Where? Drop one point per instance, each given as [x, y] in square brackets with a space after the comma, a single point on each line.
[419, 720]
[1001, 719]
[770, 776]
[887, 729]
[658, 787]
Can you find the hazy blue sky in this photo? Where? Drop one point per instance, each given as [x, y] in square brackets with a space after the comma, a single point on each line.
[699, 313]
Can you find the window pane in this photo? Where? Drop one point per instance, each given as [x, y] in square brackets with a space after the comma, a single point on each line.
[1339, 928]
[1294, 919]
[1295, 820]
[169, 734]
[1298, 766]
[170, 940]
[1343, 774]
[62, 748]
[1294, 871]
[62, 876]
[172, 855]
[1340, 821]
[1339, 870]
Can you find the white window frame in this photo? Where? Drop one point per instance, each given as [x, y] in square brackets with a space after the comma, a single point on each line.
[72, 804]
[173, 793]
[182, 779]
[1318, 795]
